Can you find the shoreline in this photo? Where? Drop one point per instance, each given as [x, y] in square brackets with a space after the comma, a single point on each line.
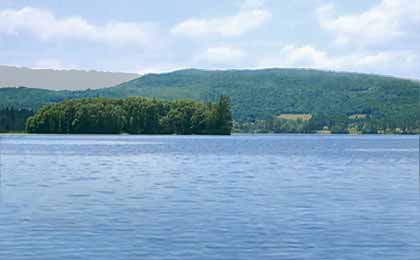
[233, 134]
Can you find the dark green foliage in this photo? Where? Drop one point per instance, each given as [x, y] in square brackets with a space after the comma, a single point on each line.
[134, 115]
[263, 94]
[275, 125]
[218, 117]
[185, 117]
[31, 98]
[290, 126]
[13, 120]
[336, 124]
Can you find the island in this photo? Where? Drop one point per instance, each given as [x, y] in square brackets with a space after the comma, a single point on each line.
[133, 115]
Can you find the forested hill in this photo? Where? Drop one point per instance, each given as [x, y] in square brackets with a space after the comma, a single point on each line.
[261, 94]
[257, 94]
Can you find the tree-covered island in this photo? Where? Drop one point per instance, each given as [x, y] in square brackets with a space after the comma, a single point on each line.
[134, 115]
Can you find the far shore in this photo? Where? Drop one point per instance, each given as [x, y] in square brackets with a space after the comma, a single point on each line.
[233, 134]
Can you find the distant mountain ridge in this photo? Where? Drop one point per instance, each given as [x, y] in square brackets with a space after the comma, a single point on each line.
[257, 94]
[60, 79]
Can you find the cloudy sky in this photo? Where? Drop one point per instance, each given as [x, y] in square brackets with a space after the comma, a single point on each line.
[375, 36]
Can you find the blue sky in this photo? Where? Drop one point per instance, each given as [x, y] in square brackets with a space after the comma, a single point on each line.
[372, 36]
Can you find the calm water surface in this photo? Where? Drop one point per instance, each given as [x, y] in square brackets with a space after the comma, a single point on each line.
[240, 197]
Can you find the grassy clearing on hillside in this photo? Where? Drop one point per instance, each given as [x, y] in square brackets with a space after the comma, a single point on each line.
[303, 117]
[358, 116]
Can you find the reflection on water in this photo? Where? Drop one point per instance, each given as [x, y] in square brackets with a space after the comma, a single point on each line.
[240, 197]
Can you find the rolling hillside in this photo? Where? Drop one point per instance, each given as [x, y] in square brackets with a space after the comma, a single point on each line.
[257, 94]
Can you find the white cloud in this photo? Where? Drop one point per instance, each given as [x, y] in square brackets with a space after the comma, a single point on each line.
[251, 16]
[51, 63]
[46, 26]
[292, 56]
[221, 55]
[252, 4]
[159, 68]
[386, 22]
[391, 62]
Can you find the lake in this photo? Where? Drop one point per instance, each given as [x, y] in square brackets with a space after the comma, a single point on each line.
[194, 197]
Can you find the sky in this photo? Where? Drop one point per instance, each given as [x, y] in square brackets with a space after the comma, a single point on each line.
[144, 36]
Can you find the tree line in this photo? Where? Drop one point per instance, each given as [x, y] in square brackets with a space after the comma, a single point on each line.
[336, 124]
[13, 120]
[134, 115]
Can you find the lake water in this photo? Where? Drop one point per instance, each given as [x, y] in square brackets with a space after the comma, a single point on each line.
[239, 197]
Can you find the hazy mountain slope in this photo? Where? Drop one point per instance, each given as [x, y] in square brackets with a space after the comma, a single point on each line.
[259, 94]
[60, 79]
